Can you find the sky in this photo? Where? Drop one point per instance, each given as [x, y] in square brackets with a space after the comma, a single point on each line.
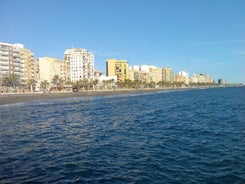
[197, 36]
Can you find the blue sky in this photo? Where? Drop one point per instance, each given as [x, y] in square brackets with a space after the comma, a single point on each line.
[198, 36]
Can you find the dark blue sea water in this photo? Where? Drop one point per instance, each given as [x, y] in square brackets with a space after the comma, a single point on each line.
[190, 136]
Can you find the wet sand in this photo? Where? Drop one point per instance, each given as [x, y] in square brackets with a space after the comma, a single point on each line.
[26, 97]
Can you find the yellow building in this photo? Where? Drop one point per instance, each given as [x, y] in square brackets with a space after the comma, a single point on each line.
[27, 58]
[155, 74]
[179, 78]
[167, 75]
[119, 68]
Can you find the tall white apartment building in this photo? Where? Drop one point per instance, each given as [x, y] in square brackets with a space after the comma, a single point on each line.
[81, 63]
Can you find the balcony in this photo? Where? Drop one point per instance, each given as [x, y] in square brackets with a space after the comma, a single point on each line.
[4, 68]
[4, 52]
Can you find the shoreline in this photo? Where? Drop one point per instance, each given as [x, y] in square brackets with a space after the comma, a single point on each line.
[27, 97]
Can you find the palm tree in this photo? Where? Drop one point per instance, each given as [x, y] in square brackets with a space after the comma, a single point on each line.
[31, 84]
[95, 82]
[44, 85]
[57, 82]
[6, 83]
[11, 81]
[85, 84]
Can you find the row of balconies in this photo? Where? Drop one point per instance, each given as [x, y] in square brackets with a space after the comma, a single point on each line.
[6, 52]
[4, 68]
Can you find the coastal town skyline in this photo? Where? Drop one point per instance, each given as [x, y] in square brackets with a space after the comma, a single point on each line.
[198, 37]
[78, 65]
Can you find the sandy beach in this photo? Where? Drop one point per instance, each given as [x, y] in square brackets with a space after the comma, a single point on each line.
[25, 97]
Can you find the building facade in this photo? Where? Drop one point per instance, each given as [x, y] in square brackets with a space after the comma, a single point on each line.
[16, 60]
[119, 68]
[185, 75]
[180, 78]
[201, 78]
[155, 74]
[167, 75]
[49, 67]
[27, 58]
[10, 61]
[81, 63]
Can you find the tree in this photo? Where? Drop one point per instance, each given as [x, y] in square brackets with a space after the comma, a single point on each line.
[44, 85]
[31, 84]
[68, 82]
[95, 82]
[11, 81]
[57, 81]
[6, 83]
[152, 84]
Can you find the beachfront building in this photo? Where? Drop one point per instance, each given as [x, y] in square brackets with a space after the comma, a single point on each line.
[15, 60]
[145, 74]
[49, 67]
[106, 82]
[81, 63]
[167, 75]
[155, 74]
[179, 79]
[27, 58]
[201, 79]
[119, 68]
[182, 76]
[97, 74]
[222, 81]
[10, 60]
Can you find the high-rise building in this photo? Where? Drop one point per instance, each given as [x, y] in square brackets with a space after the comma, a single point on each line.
[167, 75]
[27, 58]
[81, 63]
[16, 60]
[10, 61]
[155, 74]
[119, 68]
[222, 81]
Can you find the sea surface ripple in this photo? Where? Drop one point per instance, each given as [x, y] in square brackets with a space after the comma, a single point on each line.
[189, 136]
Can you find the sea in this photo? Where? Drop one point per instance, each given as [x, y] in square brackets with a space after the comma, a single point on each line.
[175, 136]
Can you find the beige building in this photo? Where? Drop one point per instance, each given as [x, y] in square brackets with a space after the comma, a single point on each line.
[119, 68]
[145, 73]
[201, 78]
[179, 78]
[167, 75]
[49, 67]
[155, 74]
[27, 58]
